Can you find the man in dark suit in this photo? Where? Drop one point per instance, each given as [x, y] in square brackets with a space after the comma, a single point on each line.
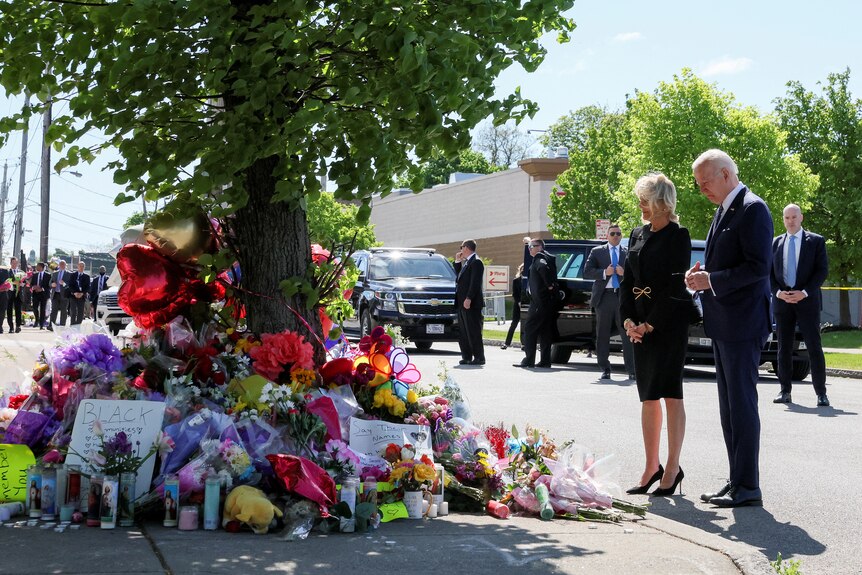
[469, 303]
[606, 265]
[15, 297]
[59, 302]
[79, 287]
[734, 289]
[799, 268]
[542, 315]
[40, 287]
[98, 284]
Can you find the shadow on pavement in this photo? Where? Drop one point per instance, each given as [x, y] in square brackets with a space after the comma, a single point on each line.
[819, 411]
[753, 526]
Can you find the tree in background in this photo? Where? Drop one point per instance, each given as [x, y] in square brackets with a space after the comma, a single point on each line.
[438, 169]
[598, 146]
[136, 219]
[665, 131]
[331, 222]
[503, 145]
[826, 131]
[237, 106]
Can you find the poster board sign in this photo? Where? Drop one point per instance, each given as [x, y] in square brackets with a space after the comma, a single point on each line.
[372, 437]
[602, 227]
[496, 278]
[141, 420]
[14, 461]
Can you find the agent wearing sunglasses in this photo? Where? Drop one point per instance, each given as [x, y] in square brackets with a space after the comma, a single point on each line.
[606, 265]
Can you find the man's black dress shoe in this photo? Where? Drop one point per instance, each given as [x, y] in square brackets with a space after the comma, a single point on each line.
[523, 364]
[720, 493]
[18, 329]
[822, 401]
[545, 365]
[606, 374]
[783, 397]
[739, 497]
[476, 362]
[632, 376]
[465, 362]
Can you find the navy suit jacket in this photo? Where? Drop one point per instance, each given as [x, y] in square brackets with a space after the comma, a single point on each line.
[739, 261]
[597, 263]
[811, 269]
[469, 283]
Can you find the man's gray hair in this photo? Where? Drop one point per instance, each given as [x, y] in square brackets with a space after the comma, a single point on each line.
[717, 159]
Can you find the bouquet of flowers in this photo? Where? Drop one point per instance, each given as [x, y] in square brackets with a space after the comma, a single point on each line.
[413, 475]
[117, 455]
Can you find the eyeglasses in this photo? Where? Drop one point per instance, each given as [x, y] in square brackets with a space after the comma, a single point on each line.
[615, 233]
[535, 245]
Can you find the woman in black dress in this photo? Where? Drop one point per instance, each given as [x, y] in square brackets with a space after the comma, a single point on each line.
[657, 307]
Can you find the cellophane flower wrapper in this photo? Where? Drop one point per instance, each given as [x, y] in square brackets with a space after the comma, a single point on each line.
[470, 439]
[602, 472]
[179, 335]
[191, 431]
[28, 428]
[570, 483]
[324, 408]
[305, 478]
[260, 439]
[345, 405]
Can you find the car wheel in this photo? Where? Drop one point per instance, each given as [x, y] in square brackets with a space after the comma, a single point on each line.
[422, 345]
[560, 353]
[367, 324]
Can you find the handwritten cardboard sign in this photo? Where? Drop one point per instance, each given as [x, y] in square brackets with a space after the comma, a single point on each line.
[14, 461]
[141, 420]
[372, 437]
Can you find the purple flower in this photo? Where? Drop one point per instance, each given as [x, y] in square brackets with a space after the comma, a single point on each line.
[118, 445]
[95, 350]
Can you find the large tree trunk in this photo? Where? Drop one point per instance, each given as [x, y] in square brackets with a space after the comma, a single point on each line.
[272, 241]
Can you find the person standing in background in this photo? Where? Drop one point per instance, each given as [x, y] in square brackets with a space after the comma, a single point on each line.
[15, 296]
[539, 327]
[98, 284]
[799, 268]
[469, 303]
[59, 301]
[40, 287]
[79, 287]
[516, 305]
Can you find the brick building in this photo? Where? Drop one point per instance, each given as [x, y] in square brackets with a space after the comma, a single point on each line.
[497, 210]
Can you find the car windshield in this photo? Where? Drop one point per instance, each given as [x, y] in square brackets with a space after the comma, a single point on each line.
[418, 266]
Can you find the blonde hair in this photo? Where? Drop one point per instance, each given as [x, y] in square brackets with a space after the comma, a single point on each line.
[659, 193]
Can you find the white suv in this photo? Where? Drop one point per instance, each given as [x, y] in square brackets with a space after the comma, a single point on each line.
[109, 313]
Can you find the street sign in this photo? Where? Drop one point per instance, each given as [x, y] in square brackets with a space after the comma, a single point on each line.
[496, 278]
[602, 229]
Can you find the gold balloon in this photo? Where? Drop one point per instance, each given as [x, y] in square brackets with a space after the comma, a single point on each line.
[181, 239]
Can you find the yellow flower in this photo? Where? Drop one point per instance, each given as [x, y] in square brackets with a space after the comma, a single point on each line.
[398, 473]
[412, 397]
[240, 405]
[422, 472]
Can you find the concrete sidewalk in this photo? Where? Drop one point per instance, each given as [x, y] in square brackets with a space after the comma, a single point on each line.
[460, 543]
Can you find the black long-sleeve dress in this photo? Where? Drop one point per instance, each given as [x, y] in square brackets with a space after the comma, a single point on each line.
[653, 291]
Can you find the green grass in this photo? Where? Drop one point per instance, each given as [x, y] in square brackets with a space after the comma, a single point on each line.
[843, 339]
[488, 333]
[852, 361]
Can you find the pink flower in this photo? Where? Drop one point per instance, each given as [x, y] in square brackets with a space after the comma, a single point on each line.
[281, 351]
[53, 456]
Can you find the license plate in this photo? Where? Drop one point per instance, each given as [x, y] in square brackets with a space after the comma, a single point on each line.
[434, 328]
[706, 342]
[125, 320]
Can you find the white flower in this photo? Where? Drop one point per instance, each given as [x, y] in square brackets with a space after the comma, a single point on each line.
[97, 429]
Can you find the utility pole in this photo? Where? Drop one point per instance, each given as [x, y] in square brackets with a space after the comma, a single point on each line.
[46, 183]
[19, 218]
[4, 191]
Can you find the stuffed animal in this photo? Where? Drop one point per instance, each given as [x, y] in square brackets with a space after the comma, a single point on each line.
[249, 505]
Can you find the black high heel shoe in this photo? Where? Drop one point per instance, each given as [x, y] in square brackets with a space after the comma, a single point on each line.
[661, 492]
[641, 489]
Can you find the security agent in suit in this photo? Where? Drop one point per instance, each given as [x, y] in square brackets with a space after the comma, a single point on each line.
[79, 287]
[40, 287]
[542, 315]
[606, 265]
[98, 284]
[469, 303]
[734, 289]
[799, 268]
[14, 298]
[59, 301]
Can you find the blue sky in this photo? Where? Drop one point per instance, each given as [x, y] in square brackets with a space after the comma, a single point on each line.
[750, 48]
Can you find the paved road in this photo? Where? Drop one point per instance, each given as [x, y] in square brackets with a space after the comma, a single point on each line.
[811, 458]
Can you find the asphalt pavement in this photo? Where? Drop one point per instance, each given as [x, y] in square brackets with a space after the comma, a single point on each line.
[810, 467]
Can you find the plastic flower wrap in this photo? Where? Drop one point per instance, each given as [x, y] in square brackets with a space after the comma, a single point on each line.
[340, 460]
[95, 350]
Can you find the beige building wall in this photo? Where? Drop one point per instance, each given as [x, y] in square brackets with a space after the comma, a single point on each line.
[496, 210]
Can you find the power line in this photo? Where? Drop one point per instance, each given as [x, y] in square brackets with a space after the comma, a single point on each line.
[77, 219]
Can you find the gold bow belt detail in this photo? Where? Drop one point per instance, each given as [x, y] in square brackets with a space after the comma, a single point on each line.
[639, 292]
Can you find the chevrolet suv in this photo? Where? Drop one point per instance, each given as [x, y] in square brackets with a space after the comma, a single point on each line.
[413, 288]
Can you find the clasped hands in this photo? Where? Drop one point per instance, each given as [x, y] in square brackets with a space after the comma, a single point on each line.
[791, 296]
[636, 331]
[697, 279]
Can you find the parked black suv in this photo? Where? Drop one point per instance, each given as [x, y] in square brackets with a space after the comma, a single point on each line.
[413, 288]
[576, 322]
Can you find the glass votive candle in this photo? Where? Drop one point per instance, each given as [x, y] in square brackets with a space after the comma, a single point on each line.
[188, 519]
[66, 512]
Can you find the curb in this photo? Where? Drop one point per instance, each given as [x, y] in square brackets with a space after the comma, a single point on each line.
[746, 558]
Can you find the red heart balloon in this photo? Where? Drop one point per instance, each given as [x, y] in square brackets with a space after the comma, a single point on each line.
[154, 290]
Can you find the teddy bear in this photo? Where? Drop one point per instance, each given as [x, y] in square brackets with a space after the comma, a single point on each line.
[249, 505]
